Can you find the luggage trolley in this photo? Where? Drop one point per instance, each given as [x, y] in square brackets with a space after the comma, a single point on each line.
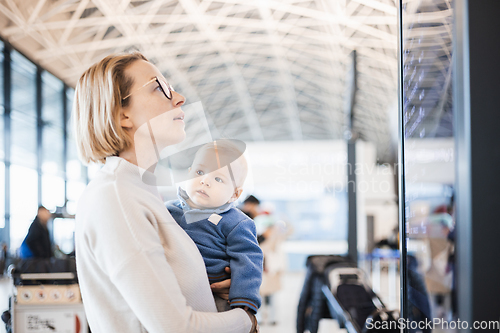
[47, 302]
[336, 288]
[353, 303]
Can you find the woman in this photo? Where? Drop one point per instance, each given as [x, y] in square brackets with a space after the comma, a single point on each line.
[138, 270]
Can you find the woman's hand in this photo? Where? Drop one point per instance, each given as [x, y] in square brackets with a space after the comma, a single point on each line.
[222, 288]
[255, 325]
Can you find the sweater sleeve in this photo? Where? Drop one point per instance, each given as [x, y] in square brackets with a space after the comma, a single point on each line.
[246, 260]
[126, 246]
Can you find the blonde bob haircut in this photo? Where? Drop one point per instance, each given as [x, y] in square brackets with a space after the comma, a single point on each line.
[96, 107]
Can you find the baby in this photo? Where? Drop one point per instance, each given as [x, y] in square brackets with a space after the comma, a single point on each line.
[224, 235]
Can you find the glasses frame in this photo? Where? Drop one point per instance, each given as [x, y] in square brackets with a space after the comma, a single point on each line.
[169, 87]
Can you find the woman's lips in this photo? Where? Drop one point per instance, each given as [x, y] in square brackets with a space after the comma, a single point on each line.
[180, 117]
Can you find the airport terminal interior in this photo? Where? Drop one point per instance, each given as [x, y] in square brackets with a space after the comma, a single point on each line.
[366, 165]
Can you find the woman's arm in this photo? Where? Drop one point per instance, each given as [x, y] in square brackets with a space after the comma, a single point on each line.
[126, 245]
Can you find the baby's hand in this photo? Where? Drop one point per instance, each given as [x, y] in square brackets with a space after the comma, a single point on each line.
[221, 288]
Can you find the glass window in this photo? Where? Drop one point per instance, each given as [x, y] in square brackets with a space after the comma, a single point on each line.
[1, 74]
[75, 189]
[2, 194]
[52, 115]
[52, 142]
[76, 172]
[23, 123]
[74, 169]
[52, 191]
[429, 172]
[24, 178]
[2, 153]
[52, 100]
[23, 202]
[64, 231]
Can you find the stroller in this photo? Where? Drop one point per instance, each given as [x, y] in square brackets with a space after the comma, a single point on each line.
[336, 288]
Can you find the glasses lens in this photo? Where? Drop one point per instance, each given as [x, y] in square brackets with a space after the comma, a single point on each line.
[165, 86]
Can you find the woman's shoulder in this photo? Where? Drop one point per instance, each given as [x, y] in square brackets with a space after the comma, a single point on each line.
[115, 173]
[111, 185]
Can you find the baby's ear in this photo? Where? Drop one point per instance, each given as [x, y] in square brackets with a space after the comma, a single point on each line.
[236, 194]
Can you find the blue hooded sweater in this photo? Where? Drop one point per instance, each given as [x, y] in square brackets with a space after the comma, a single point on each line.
[225, 237]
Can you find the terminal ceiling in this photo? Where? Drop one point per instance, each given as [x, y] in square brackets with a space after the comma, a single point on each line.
[264, 70]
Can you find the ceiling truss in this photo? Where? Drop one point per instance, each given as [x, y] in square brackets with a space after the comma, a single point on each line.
[263, 70]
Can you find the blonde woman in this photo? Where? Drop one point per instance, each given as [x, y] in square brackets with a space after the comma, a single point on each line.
[138, 270]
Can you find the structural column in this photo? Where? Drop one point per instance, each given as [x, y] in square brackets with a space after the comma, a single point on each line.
[7, 105]
[477, 116]
[351, 136]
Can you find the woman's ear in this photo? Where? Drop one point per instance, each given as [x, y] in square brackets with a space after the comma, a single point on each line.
[125, 120]
[236, 194]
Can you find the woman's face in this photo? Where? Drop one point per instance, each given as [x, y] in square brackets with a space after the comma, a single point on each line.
[149, 111]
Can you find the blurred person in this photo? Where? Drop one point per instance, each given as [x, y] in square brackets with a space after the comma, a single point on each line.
[271, 233]
[439, 273]
[224, 235]
[3, 257]
[251, 206]
[58, 253]
[138, 270]
[5, 251]
[37, 243]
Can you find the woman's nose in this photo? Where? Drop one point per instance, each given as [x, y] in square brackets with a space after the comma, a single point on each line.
[177, 99]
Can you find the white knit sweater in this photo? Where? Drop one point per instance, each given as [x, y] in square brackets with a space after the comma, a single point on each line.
[138, 270]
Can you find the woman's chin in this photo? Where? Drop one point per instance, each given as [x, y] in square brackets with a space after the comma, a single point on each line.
[180, 137]
[173, 138]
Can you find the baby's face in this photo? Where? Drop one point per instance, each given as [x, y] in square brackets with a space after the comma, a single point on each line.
[210, 187]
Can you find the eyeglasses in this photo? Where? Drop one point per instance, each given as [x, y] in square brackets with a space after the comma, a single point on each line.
[165, 87]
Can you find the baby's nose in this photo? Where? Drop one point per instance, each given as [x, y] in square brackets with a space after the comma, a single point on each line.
[205, 182]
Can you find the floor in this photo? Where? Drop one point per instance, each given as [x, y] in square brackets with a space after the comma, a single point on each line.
[286, 305]
[286, 301]
[387, 287]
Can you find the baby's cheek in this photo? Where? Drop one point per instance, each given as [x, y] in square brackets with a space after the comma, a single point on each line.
[189, 188]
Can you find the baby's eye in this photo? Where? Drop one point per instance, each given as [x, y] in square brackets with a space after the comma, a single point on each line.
[199, 172]
[217, 179]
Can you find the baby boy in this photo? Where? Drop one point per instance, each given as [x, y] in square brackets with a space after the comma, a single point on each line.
[224, 235]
